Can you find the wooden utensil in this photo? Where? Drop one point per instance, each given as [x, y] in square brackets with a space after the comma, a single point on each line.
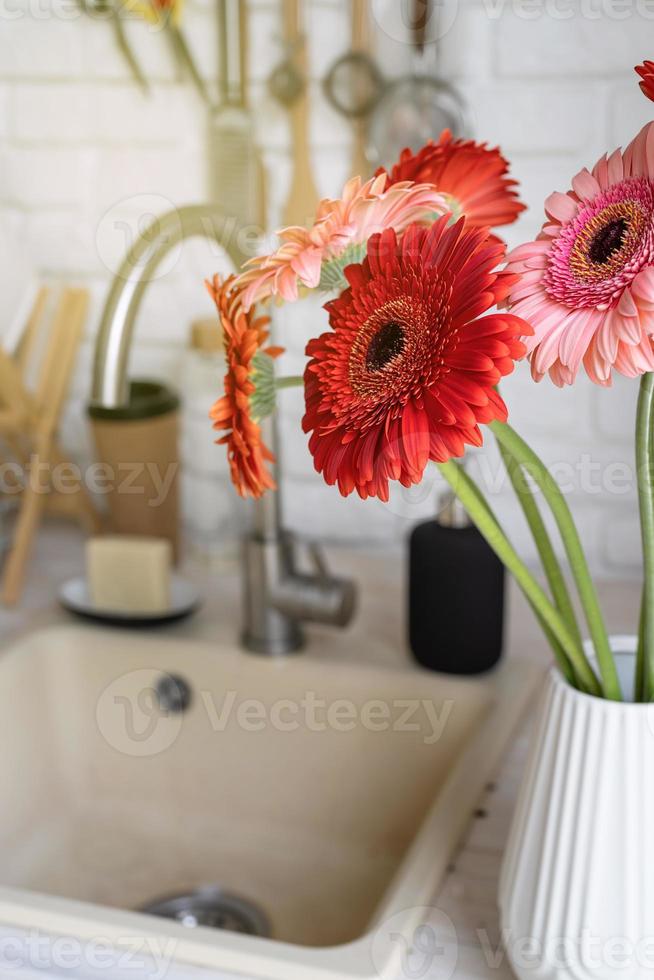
[302, 201]
[29, 421]
[360, 42]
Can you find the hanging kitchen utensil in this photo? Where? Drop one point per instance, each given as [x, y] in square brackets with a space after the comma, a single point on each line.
[236, 175]
[416, 107]
[303, 198]
[354, 85]
[106, 10]
[286, 83]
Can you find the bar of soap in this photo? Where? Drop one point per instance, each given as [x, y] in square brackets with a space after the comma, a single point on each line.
[129, 574]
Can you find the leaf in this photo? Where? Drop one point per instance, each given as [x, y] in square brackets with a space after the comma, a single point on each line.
[263, 400]
[332, 278]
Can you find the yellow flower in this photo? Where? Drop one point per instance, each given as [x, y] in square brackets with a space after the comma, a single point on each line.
[155, 11]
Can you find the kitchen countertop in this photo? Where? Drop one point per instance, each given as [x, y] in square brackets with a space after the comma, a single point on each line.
[467, 896]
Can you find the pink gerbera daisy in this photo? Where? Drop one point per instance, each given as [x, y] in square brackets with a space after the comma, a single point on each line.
[348, 221]
[587, 284]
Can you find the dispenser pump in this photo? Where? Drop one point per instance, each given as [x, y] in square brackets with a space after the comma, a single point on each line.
[451, 512]
[456, 593]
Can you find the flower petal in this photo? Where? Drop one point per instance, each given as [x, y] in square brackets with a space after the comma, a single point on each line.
[560, 207]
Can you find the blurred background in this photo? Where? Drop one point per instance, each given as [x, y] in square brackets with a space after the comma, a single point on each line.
[87, 158]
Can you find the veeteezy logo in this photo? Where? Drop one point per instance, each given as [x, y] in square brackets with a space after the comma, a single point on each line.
[146, 957]
[420, 715]
[133, 721]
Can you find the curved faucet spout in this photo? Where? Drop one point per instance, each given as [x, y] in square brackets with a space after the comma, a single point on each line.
[136, 272]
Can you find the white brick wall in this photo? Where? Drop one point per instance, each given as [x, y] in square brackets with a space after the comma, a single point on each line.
[80, 147]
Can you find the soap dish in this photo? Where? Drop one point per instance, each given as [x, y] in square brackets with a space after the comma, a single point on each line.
[184, 599]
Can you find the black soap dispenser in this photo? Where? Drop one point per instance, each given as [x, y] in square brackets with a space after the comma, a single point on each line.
[456, 594]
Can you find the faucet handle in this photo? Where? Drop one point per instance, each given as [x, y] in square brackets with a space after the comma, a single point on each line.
[318, 560]
[318, 596]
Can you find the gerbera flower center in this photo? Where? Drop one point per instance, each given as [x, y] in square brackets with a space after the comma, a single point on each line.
[601, 250]
[386, 344]
[391, 349]
[607, 241]
[455, 207]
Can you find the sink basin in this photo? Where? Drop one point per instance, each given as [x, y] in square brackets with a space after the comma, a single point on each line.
[328, 794]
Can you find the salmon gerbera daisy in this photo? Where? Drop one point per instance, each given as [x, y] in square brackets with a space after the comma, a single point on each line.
[472, 177]
[646, 72]
[245, 336]
[408, 372]
[341, 226]
[586, 283]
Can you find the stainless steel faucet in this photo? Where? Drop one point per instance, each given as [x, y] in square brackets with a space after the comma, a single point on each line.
[278, 597]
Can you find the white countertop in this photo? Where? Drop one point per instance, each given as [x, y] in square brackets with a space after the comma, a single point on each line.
[468, 893]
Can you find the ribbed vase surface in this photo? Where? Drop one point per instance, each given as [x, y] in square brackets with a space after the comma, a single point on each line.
[577, 885]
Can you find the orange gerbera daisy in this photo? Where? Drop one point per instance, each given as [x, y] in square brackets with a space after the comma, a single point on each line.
[472, 177]
[244, 337]
[646, 72]
[408, 372]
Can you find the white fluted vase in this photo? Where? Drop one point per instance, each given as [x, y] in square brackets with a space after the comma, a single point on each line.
[577, 884]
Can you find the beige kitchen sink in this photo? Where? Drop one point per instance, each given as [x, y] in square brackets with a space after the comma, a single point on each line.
[328, 794]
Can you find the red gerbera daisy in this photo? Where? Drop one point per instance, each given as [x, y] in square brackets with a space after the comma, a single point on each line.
[646, 72]
[470, 175]
[408, 373]
[244, 336]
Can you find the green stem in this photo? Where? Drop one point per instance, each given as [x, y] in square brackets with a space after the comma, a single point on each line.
[128, 54]
[550, 562]
[290, 381]
[644, 467]
[521, 452]
[640, 690]
[187, 60]
[565, 666]
[559, 655]
[113, 14]
[470, 497]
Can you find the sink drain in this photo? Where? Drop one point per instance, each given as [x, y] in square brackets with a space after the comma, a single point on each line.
[212, 907]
